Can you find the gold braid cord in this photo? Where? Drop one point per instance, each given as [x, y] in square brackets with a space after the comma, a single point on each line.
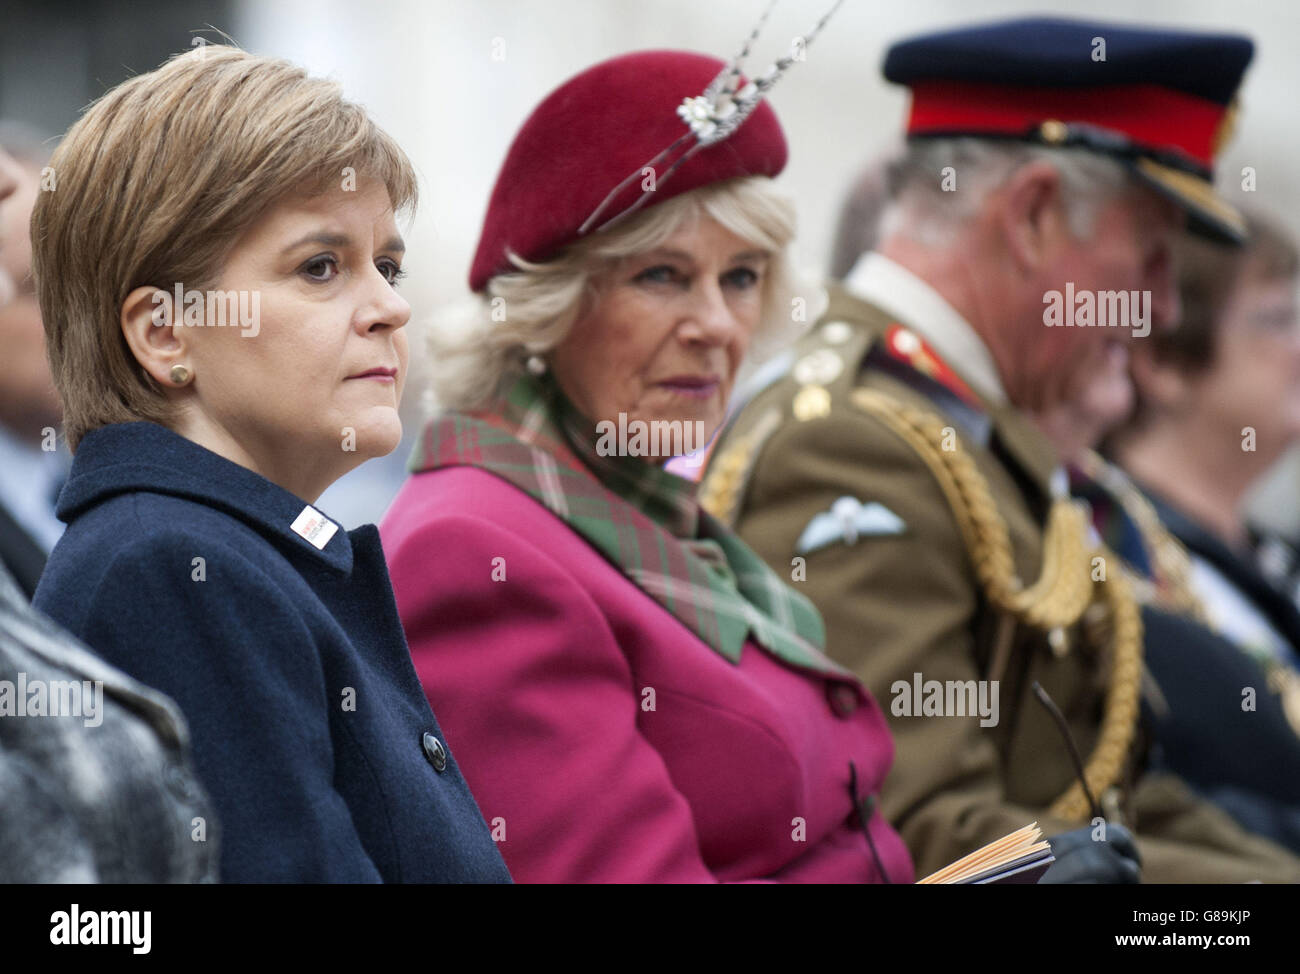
[721, 486]
[1059, 597]
[1106, 763]
[1171, 565]
[720, 491]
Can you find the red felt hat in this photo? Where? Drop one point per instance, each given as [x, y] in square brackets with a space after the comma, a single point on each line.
[597, 130]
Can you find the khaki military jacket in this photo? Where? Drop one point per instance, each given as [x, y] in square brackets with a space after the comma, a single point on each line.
[835, 500]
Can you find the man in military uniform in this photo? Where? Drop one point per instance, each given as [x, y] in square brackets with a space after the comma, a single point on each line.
[893, 469]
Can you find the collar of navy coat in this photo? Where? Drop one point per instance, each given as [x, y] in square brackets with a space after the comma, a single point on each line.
[142, 456]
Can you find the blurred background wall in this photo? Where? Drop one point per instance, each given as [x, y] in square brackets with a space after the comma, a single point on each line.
[453, 79]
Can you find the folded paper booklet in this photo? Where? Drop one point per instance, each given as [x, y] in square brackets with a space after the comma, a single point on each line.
[1021, 857]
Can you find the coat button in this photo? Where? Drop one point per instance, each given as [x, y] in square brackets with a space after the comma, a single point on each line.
[435, 752]
[844, 699]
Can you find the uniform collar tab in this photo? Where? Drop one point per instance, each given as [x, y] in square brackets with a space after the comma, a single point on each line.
[896, 290]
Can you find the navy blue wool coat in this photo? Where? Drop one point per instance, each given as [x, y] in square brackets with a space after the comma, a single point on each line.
[310, 729]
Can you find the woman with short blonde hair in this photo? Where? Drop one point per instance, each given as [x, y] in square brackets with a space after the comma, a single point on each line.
[216, 261]
[150, 193]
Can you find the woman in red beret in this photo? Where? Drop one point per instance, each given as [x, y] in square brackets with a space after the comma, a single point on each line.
[632, 694]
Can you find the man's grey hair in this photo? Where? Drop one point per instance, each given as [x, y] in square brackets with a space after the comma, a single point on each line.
[938, 184]
[858, 229]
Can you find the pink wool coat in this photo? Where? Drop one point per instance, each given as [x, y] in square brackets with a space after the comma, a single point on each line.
[603, 740]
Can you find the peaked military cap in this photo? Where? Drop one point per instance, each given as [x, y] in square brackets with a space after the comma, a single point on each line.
[1161, 101]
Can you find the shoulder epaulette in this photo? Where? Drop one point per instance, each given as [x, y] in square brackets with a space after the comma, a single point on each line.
[799, 381]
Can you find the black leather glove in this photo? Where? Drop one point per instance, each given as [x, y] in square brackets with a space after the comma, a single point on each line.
[1082, 859]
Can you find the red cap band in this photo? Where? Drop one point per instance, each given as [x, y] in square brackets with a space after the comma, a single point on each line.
[1152, 116]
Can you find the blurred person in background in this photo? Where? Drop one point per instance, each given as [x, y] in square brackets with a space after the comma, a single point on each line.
[226, 335]
[11, 179]
[102, 788]
[1219, 395]
[1218, 402]
[32, 463]
[857, 230]
[96, 781]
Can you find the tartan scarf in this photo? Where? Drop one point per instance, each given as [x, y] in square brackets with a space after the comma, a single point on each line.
[643, 519]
